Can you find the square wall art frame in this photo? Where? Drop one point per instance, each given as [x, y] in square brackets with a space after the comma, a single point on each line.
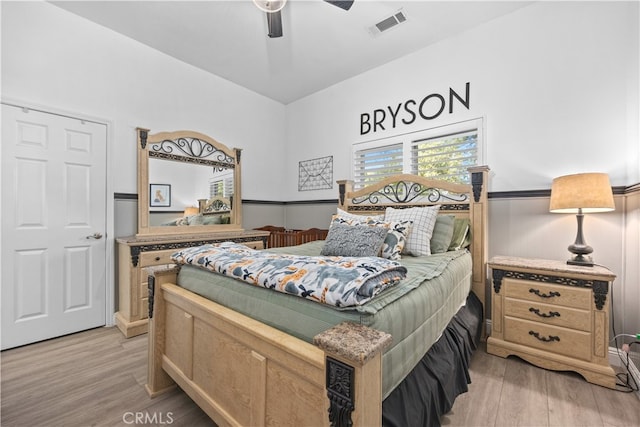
[159, 195]
[315, 174]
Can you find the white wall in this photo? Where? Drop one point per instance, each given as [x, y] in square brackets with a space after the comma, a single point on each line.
[557, 84]
[556, 81]
[53, 58]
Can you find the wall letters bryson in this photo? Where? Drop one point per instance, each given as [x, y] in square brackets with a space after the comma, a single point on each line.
[430, 107]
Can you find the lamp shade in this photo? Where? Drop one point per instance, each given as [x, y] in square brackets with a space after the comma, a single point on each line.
[190, 210]
[590, 192]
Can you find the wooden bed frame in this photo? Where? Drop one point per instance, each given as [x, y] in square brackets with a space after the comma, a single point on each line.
[242, 372]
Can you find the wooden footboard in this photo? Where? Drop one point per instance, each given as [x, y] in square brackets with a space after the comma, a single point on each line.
[243, 372]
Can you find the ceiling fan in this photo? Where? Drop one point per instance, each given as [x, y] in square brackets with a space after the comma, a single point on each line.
[274, 18]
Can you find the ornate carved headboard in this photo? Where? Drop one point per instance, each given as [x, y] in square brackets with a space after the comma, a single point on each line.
[405, 191]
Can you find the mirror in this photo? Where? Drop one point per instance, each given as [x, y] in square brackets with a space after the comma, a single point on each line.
[187, 183]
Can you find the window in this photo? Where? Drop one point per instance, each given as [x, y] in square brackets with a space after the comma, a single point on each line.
[374, 164]
[221, 185]
[445, 158]
[442, 153]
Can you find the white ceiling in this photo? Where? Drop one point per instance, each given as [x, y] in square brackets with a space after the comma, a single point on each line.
[322, 44]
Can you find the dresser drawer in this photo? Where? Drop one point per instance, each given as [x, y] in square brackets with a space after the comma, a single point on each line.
[156, 257]
[144, 290]
[547, 293]
[144, 308]
[255, 245]
[568, 342]
[548, 314]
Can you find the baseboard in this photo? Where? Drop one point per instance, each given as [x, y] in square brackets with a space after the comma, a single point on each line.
[634, 369]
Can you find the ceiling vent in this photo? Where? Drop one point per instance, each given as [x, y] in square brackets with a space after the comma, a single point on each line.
[388, 23]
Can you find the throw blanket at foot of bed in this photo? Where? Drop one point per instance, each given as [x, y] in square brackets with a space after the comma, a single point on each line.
[337, 281]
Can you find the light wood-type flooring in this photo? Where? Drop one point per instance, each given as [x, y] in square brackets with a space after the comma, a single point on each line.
[96, 378]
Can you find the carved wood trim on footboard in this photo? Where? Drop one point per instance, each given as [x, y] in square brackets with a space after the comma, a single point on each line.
[243, 372]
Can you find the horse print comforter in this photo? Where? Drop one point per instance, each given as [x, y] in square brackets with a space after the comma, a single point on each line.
[337, 281]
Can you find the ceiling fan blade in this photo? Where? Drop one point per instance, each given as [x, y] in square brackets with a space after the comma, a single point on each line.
[342, 4]
[274, 24]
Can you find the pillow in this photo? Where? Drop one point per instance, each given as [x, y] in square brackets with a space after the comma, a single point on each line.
[173, 222]
[178, 221]
[212, 219]
[461, 234]
[356, 217]
[424, 219]
[394, 242]
[345, 240]
[195, 219]
[442, 234]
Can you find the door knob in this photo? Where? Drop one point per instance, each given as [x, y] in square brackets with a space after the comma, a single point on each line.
[96, 236]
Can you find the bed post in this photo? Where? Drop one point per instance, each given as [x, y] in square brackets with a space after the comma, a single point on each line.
[478, 214]
[344, 186]
[158, 381]
[353, 365]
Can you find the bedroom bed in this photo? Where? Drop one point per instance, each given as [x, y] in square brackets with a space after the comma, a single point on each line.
[252, 356]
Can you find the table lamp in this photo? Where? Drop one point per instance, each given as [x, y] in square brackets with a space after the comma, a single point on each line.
[581, 193]
[190, 210]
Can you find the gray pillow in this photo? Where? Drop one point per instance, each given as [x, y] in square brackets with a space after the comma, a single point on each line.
[442, 234]
[357, 241]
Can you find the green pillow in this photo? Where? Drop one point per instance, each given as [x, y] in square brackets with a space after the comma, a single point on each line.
[461, 234]
[442, 234]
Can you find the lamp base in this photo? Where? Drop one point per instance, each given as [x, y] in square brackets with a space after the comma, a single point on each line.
[582, 260]
[579, 248]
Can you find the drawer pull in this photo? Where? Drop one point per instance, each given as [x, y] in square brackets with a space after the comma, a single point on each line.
[550, 338]
[546, 315]
[157, 258]
[541, 295]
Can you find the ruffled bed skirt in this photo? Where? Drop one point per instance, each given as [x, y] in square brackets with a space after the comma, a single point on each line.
[430, 389]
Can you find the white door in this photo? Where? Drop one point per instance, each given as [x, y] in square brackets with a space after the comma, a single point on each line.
[53, 225]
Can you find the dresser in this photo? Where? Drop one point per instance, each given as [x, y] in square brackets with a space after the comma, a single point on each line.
[137, 253]
[553, 315]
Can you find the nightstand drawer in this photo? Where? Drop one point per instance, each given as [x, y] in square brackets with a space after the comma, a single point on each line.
[548, 314]
[547, 293]
[568, 342]
[156, 257]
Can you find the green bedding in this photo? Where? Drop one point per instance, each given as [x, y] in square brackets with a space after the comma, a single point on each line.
[414, 312]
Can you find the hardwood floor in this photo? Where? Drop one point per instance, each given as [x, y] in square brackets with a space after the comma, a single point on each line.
[93, 378]
[512, 392]
[96, 378]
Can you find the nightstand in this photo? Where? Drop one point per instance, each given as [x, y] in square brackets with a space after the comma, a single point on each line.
[553, 315]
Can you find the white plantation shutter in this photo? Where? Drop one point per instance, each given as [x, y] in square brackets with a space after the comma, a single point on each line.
[374, 164]
[446, 157]
[442, 153]
[221, 186]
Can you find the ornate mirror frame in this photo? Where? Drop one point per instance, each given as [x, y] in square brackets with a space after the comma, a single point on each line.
[192, 148]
